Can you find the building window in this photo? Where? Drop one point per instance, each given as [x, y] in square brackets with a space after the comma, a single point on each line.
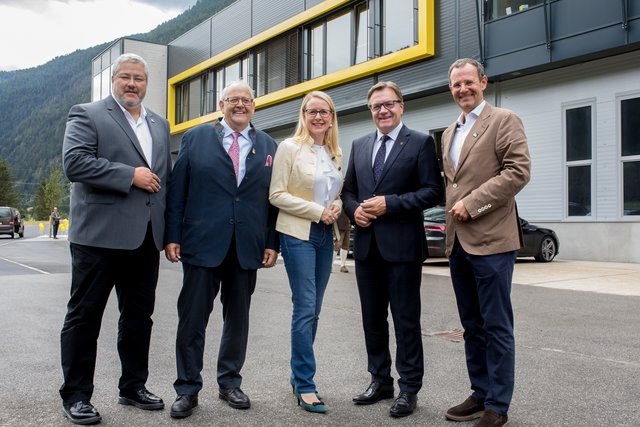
[200, 95]
[277, 63]
[498, 8]
[399, 24]
[339, 31]
[361, 32]
[630, 155]
[578, 137]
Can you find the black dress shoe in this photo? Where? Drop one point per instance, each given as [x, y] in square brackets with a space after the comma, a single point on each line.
[375, 392]
[82, 413]
[235, 398]
[404, 405]
[141, 398]
[183, 406]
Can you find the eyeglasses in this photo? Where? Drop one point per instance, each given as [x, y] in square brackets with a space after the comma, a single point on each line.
[127, 78]
[323, 113]
[235, 100]
[387, 104]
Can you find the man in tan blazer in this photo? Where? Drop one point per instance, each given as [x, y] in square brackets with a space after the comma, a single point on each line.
[486, 163]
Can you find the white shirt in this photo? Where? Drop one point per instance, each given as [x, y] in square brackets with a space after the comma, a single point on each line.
[141, 129]
[328, 180]
[393, 135]
[245, 146]
[462, 130]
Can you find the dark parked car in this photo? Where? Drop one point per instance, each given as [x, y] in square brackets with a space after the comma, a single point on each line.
[540, 243]
[11, 221]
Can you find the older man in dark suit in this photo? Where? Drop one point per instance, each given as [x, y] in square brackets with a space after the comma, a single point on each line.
[392, 176]
[221, 226]
[116, 153]
[486, 163]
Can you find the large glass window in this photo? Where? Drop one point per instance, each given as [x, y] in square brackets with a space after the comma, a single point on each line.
[277, 64]
[339, 40]
[578, 138]
[398, 25]
[317, 51]
[630, 152]
[361, 52]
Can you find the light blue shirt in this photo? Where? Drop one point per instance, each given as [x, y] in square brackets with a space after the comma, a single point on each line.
[245, 146]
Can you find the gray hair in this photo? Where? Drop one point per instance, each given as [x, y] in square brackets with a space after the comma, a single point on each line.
[237, 83]
[459, 63]
[129, 57]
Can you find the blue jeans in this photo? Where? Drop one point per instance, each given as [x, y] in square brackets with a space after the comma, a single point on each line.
[308, 265]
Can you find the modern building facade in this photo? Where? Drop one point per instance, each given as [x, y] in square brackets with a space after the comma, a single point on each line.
[569, 68]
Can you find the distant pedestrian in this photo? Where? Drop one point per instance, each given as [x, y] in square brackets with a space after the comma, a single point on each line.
[342, 240]
[54, 220]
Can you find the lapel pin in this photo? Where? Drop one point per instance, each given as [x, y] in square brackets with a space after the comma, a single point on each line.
[253, 151]
[475, 135]
[153, 121]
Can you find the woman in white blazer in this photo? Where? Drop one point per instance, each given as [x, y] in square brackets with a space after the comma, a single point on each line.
[305, 187]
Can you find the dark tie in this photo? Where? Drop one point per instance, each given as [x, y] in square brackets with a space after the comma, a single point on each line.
[234, 152]
[378, 162]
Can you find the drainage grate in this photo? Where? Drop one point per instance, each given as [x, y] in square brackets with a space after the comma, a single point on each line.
[454, 335]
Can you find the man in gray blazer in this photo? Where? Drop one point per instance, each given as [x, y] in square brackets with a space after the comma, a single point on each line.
[486, 163]
[116, 154]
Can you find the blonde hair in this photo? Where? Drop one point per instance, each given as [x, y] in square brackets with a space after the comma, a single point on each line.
[331, 136]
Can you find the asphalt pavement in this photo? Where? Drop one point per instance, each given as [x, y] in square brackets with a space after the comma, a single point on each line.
[577, 361]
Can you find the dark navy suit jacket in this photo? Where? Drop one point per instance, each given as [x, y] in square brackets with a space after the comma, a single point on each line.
[205, 207]
[410, 182]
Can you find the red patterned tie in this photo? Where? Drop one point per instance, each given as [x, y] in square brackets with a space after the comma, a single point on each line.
[234, 152]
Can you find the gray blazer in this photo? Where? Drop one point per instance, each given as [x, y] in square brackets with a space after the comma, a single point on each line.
[99, 154]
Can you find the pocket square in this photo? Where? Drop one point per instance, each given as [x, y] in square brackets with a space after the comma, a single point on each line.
[269, 161]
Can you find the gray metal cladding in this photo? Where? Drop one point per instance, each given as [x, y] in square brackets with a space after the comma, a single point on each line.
[351, 95]
[190, 49]
[231, 26]
[283, 114]
[468, 43]
[310, 3]
[267, 14]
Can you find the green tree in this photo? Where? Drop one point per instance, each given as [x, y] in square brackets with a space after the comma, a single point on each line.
[8, 194]
[50, 193]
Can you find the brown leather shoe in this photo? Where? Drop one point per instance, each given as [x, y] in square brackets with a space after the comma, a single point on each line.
[492, 419]
[468, 410]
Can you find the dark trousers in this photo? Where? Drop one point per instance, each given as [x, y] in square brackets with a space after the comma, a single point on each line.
[382, 284]
[195, 303]
[94, 272]
[482, 285]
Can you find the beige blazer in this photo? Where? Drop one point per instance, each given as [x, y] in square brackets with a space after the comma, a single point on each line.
[494, 166]
[291, 190]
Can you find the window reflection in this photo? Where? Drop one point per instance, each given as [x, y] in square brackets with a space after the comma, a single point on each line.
[361, 53]
[398, 25]
[498, 8]
[317, 51]
[338, 39]
[630, 150]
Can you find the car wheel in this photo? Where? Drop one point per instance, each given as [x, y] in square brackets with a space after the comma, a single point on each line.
[548, 250]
